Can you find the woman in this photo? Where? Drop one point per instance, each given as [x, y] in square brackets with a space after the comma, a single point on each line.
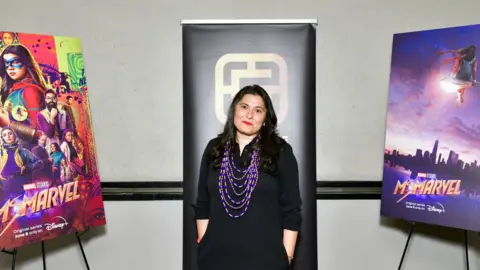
[56, 157]
[465, 68]
[248, 205]
[7, 38]
[67, 172]
[22, 81]
[16, 165]
[73, 151]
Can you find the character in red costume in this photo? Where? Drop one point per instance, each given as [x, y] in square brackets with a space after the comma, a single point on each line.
[23, 85]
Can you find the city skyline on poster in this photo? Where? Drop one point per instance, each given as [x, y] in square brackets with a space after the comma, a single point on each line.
[49, 180]
[433, 128]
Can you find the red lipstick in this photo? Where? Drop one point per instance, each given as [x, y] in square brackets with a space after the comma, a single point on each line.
[247, 123]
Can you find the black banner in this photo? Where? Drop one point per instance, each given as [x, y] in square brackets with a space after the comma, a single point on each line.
[218, 60]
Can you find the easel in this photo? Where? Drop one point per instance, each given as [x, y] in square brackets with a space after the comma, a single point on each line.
[412, 226]
[14, 252]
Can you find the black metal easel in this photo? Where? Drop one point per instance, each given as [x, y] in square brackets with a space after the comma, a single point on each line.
[12, 252]
[412, 226]
[77, 235]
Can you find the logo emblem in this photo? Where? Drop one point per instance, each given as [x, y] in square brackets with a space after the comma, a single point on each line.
[228, 78]
[60, 225]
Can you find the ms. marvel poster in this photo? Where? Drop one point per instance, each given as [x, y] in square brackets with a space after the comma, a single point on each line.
[49, 182]
[432, 150]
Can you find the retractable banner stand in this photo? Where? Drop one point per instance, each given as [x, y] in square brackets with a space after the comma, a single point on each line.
[219, 58]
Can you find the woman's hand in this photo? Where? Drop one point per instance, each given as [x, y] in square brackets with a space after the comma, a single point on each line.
[4, 117]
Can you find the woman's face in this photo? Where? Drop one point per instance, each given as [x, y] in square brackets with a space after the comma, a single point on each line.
[68, 136]
[16, 70]
[53, 149]
[250, 114]
[8, 136]
[7, 39]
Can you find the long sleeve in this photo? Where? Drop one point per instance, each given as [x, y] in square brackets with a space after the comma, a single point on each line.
[202, 205]
[34, 101]
[45, 126]
[69, 121]
[290, 199]
[32, 162]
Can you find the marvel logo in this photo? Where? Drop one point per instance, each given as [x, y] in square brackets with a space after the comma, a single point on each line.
[43, 184]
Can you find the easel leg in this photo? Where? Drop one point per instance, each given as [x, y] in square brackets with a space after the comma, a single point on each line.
[43, 256]
[466, 250]
[14, 256]
[43, 253]
[81, 249]
[406, 245]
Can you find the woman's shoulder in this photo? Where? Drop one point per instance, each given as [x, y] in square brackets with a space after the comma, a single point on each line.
[285, 148]
[212, 143]
[32, 88]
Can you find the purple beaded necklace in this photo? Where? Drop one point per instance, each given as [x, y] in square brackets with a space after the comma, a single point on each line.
[241, 187]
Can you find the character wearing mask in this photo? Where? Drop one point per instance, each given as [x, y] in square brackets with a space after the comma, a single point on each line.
[53, 121]
[23, 86]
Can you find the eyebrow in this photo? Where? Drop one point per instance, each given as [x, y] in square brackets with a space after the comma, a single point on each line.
[260, 107]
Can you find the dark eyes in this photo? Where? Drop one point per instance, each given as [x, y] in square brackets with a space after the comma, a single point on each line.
[243, 106]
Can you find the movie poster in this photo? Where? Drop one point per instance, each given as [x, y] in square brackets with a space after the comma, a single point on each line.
[432, 150]
[49, 182]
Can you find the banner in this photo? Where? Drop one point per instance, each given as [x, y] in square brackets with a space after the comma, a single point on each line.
[218, 60]
[432, 146]
[49, 182]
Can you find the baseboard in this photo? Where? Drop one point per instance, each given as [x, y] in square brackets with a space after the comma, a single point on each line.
[158, 191]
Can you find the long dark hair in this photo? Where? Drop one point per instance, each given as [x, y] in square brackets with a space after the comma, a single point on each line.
[469, 52]
[270, 142]
[26, 57]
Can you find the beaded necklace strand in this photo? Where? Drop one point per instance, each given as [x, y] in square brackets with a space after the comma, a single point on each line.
[242, 187]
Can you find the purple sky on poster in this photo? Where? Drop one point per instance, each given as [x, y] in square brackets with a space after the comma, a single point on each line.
[419, 110]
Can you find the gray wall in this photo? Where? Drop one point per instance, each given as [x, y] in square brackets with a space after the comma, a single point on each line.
[133, 54]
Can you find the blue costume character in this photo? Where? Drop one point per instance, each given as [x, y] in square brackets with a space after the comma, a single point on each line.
[465, 68]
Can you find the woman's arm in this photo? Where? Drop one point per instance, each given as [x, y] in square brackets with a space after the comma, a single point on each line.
[290, 199]
[202, 225]
[202, 205]
[290, 241]
[33, 96]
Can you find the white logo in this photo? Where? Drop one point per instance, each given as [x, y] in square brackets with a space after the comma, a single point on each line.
[439, 209]
[60, 225]
[277, 71]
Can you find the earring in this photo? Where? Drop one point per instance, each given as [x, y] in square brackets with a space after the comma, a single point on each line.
[263, 123]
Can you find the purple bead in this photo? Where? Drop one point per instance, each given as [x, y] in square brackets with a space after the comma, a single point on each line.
[242, 190]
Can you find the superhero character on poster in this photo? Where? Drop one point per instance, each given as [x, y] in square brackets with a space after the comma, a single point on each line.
[49, 182]
[432, 146]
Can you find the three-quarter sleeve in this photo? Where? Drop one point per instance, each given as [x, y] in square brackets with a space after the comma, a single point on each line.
[290, 199]
[202, 204]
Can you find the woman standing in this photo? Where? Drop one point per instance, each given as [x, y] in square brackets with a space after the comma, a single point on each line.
[73, 151]
[248, 205]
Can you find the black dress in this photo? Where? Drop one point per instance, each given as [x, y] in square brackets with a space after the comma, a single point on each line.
[255, 240]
